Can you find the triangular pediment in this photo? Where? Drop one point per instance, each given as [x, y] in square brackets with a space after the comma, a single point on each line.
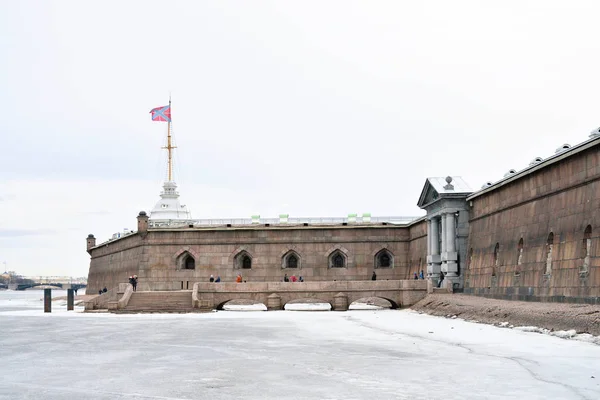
[428, 195]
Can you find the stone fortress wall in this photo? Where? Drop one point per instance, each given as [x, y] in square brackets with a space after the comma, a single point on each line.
[113, 263]
[161, 257]
[533, 235]
[528, 238]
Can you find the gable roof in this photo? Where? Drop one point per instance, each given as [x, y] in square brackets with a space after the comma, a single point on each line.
[436, 188]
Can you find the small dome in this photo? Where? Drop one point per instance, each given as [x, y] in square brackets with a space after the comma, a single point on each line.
[510, 172]
[448, 179]
[536, 160]
[90, 236]
[562, 148]
[595, 133]
[142, 213]
[486, 185]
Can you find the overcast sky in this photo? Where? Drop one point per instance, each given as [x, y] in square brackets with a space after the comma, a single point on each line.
[312, 108]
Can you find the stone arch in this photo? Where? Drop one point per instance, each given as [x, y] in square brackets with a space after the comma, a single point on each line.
[519, 257]
[520, 252]
[345, 253]
[307, 300]
[497, 255]
[186, 260]
[242, 260]
[219, 306]
[291, 259]
[549, 248]
[470, 261]
[586, 249]
[179, 256]
[385, 259]
[337, 259]
[393, 305]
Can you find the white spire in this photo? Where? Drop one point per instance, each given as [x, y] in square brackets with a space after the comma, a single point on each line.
[168, 209]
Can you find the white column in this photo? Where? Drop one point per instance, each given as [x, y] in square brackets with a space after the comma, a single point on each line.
[451, 257]
[428, 237]
[433, 260]
[450, 233]
[435, 250]
[443, 233]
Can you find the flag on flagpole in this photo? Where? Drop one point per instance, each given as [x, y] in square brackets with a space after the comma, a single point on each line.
[161, 113]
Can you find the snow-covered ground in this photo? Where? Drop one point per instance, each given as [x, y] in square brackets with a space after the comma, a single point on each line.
[387, 354]
[307, 307]
[245, 307]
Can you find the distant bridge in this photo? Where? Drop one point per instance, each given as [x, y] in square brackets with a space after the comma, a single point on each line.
[64, 286]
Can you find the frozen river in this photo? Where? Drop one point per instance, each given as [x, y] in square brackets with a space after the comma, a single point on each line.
[281, 355]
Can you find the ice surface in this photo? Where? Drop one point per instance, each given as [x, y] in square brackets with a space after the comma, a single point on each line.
[307, 307]
[363, 306]
[245, 307]
[387, 354]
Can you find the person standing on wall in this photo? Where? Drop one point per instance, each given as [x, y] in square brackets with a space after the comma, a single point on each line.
[374, 276]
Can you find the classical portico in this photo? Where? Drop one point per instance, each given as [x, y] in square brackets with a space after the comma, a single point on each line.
[444, 199]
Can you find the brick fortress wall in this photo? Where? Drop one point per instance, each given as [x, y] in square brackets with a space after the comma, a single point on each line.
[563, 199]
[156, 259]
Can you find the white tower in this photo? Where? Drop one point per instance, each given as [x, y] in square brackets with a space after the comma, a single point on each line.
[168, 211]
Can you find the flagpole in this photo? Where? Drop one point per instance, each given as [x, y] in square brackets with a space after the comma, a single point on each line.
[169, 147]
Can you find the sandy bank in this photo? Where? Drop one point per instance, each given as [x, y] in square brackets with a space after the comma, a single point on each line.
[553, 316]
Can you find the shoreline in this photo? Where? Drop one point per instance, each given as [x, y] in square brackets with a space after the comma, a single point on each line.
[583, 318]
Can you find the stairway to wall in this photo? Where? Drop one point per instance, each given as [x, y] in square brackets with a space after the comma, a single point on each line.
[179, 301]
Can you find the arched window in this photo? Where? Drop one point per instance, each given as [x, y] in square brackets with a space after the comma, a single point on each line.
[470, 257]
[496, 254]
[384, 259]
[291, 260]
[337, 259]
[246, 262]
[520, 252]
[190, 263]
[242, 260]
[586, 248]
[186, 261]
[549, 247]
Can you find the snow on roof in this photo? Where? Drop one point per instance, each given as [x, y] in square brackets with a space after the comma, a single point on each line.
[459, 184]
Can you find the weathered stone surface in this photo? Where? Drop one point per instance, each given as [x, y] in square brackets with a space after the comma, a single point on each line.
[563, 199]
[155, 258]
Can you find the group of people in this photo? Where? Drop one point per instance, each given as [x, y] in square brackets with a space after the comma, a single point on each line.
[133, 281]
[419, 276]
[292, 278]
[101, 290]
[212, 279]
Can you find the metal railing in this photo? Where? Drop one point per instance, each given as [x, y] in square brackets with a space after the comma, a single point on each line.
[281, 221]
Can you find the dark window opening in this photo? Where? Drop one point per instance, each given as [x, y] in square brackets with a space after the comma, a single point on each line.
[292, 261]
[384, 259]
[496, 251]
[246, 262]
[189, 263]
[338, 260]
